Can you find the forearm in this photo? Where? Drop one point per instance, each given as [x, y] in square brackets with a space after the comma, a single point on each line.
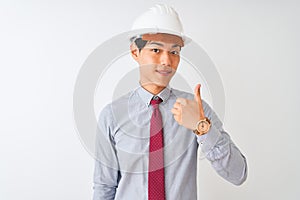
[224, 156]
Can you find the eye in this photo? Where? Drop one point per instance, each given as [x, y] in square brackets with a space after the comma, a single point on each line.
[156, 50]
[175, 52]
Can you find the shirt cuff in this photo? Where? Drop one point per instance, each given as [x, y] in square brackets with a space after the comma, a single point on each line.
[209, 140]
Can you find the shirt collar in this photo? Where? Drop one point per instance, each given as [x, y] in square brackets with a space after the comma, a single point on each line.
[147, 96]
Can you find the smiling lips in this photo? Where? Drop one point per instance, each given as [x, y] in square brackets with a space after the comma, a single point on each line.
[164, 72]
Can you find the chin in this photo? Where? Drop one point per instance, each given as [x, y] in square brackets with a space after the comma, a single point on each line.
[158, 81]
[162, 83]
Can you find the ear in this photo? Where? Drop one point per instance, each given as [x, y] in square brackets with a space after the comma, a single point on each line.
[134, 51]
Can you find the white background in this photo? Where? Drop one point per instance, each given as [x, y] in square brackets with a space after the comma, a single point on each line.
[255, 46]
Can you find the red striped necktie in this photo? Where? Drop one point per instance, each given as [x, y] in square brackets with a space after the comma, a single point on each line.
[156, 177]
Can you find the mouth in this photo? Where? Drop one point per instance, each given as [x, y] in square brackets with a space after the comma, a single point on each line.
[164, 72]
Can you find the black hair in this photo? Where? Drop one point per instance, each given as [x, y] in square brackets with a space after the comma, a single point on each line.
[140, 43]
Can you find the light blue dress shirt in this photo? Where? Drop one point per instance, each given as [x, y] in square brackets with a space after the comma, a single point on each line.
[122, 149]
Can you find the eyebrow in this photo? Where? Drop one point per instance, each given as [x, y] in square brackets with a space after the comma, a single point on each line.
[157, 43]
[160, 44]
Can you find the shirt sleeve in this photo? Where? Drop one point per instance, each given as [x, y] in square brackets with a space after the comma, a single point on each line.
[219, 149]
[106, 173]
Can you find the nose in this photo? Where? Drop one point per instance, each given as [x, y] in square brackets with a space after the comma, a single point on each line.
[165, 59]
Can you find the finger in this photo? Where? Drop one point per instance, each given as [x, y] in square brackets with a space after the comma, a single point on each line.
[182, 101]
[177, 119]
[198, 99]
[175, 111]
[197, 95]
[177, 105]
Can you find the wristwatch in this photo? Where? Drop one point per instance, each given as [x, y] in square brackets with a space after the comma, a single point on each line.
[202, 126]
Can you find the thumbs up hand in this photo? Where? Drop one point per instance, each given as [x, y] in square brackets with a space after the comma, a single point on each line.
[188, 112]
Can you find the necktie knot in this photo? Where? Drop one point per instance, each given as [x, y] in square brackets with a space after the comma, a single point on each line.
[155, 101]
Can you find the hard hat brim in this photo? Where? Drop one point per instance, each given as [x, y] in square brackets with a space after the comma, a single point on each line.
[139, 32]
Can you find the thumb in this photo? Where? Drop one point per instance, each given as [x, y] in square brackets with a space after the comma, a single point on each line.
[197, 96]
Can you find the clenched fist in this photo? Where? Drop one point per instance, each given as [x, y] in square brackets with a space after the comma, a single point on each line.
[188, 112]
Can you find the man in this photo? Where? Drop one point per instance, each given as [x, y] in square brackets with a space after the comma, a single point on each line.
[148, 139]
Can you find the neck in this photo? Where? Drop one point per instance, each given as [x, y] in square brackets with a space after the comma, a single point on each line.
[152, 88]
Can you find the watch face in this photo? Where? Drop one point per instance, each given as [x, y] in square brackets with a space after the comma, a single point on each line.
[203, 126]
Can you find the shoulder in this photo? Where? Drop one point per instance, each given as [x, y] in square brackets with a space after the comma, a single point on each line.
[188, 95]
[115, 105]
[181, 94]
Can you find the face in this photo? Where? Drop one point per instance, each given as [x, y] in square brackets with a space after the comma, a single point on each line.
[159, 59]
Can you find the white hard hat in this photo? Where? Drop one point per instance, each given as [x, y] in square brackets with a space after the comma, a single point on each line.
[159, 19]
